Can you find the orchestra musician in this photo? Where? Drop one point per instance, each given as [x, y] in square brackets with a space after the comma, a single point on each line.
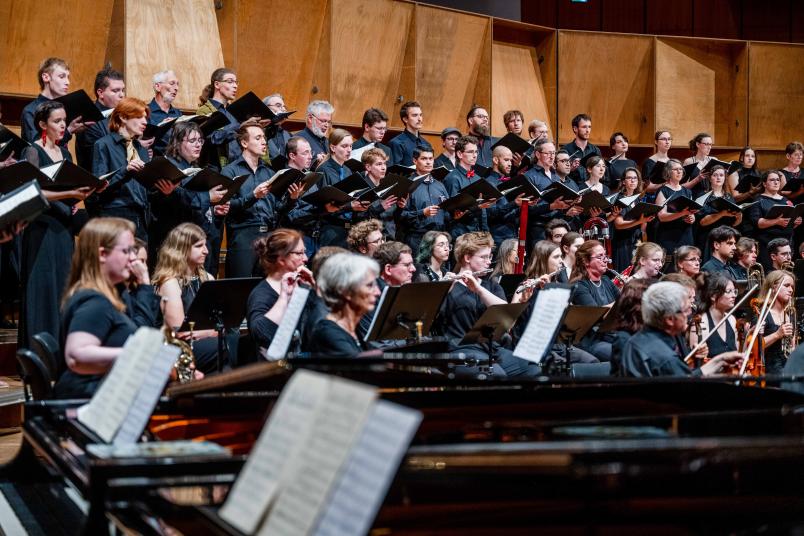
[744, 257]
[365, 237]
[433, 256]
[777, 324]
[96, 320]
[569, 246]
[658, 348]
[648, 261]
[719, 295]
[688, 261]
[177, 278]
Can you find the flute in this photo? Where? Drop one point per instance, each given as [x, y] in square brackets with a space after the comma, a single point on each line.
[455, 277]
[530, 283]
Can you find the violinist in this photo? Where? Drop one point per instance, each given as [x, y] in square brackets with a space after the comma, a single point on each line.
[658, 348]
[778, 326]
[718, 297]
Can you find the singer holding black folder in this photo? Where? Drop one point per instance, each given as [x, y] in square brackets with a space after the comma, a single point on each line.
[215, 97]
[674, 228]
[627, 231]
[663, 140]
[767, 229]
[422, 213]
[47, 242]
[710, 217]
[202, 208]
[254, 210]
[120, 154]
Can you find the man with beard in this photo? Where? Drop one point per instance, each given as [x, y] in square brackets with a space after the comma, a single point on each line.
[277, 136]
[109, 90]
[318, 123]
[166, 87]
[580, 146]
[478, 121]
[403, 145]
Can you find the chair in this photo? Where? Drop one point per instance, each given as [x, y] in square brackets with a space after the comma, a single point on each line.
[46, 347]
[36, 378]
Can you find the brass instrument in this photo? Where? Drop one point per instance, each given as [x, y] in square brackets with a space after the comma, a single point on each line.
[598, 229]
[788, 266]
[185, 363]
[789, 343]
[756, 274]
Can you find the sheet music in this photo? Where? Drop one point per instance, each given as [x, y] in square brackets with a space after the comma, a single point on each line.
[369, 470]
[145, 401]
[284, 333]
[357, 154]
[280, 441]
[51, 170]
[548, 312]
[105, 412]
[377, 308]
[312, 474]
[10, 202]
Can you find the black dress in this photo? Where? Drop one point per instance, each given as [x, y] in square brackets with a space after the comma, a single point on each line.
[702, 234]
[90, 311]
[670, 235]
[331, 340]
[623, 242]
[205, 351]
[763, 236]
[716, 344]
[47, 250]
[774, 358]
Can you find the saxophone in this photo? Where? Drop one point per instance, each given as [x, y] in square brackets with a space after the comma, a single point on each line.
[185, 363]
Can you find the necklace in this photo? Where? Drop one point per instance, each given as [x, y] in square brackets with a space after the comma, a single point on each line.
[596, 284]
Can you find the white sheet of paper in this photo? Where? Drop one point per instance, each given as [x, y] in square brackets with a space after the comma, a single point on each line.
[148, 395]
[372, 464]
[11, 202]
[105, 412]
[357, 154]
[284, 333]
[312, 474]
[280, 441]
[545, 320]
[51, 170]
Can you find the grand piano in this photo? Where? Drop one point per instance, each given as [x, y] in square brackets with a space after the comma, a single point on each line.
[636, 456]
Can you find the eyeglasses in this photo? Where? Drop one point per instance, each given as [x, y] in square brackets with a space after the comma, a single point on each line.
[692, 259]
[603, 257]
[481, 116]
[731, 292]
[561, 160]
[707, 144]
[446, 245]
[229, 81]
[665, 139]
[551, 153]
[380, 240]
[677, 169]
[132, 250]
[195, 141]
[323, 121]
[483, 257]
[300, 253]
[404, 264]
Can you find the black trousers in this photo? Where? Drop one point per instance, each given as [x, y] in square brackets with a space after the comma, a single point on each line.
[241, 261]
[132, 214]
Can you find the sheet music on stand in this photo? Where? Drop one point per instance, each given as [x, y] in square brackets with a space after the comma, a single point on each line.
[284, 333]
[323, 462]
[115, 399]
[551, 305]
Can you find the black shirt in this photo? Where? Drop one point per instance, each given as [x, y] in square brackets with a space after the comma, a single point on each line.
[109, 154]
[331, 340]
[650, 353]
[587, 293]
[260, 301]
[85, 141]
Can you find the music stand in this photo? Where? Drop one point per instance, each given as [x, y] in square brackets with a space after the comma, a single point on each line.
[577, 322]
[401, 309]
[509, 284]
[495, 322]
[220, 305]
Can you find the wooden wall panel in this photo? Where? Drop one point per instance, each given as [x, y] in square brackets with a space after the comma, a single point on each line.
[684, 93]
[291, 56]
[171, 34]
[517, 85]
[366, 69]
[775, 99]
[610, 77]
[32, 31]
[116, 45]
[701, 86]
[227, 30]
[449, 50]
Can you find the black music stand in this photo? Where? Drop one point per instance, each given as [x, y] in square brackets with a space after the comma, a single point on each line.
[577, 323]
[400, 309]
[220, 305]
[496, 321]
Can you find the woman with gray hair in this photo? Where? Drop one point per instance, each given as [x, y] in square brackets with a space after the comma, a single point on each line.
[658, 349]
[348, 285]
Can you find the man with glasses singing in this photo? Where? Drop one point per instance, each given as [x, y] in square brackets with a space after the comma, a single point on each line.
[319, 121]
[475, 219]
[449, 137]
[276, 135]
[375, 125]
[403, 145]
